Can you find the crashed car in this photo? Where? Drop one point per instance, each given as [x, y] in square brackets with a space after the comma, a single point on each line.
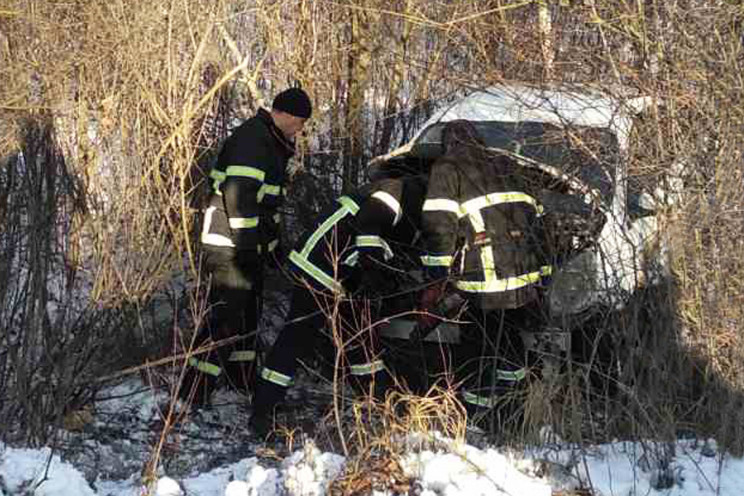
[579, 140]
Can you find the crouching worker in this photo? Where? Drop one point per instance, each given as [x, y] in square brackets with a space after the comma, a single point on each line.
[482, 231]
[348, 250]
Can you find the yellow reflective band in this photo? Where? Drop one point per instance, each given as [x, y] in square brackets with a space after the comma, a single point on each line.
[268, 189]
[206, 367]
[494, 285]
[476, 219]
[242, 356]
[369, 241]
[511, 375]
[273, 245]
[245, 171]
[277, 218]
[490, 199]
[243, 222]
[484, 401]
[442, 205]
[352, 259]
[217, 175]
[348, 206]
[391, 202]
[317, 274]
[275, 377]
[218, 178]
[437, 260]
[368, 368]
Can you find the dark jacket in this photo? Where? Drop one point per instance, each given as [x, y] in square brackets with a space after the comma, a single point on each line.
[481, 223]
[374, 223]
[247, 189]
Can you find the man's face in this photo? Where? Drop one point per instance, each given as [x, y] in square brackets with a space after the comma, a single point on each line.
[289, 124]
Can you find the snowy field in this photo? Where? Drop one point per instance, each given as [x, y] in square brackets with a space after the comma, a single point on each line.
[214, 457]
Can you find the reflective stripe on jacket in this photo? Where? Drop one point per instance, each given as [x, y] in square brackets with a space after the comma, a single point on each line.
[481, 221]
[248, 187]
[374, 221]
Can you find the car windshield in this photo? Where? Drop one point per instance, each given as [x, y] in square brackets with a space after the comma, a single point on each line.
[588, 153]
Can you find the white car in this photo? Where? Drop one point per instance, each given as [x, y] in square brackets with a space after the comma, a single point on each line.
[581, 138]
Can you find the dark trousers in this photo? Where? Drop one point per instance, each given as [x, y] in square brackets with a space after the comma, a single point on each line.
[492, 361]
[232, 314]
[306, 327]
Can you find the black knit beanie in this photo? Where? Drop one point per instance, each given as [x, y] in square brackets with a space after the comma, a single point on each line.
[294, 101]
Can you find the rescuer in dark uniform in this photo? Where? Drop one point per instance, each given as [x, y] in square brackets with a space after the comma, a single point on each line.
[240, 236]
[349, 250]
[482, 231]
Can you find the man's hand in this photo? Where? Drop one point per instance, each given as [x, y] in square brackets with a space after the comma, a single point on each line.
[428, 301]
[376, 279]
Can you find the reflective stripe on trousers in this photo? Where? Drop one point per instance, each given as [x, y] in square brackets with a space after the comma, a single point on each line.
[370, 368]
[242, 356]
[205, 367]
[510, 377]
[276, 377]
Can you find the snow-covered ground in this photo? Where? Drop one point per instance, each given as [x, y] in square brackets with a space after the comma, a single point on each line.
[216, 456]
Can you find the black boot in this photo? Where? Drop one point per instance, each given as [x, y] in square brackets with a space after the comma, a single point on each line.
[268, 395]
[196, 387]
[499, 408]
[241, 373]
[377, 386]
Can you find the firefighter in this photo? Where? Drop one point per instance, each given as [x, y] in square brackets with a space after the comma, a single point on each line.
[240, 237]
[349, 250]
[482, 231]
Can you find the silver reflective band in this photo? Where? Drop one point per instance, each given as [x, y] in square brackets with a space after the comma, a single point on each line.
[213, 239]
[443, 205]
[368, 368]
[206, 367]
[276, 377]
[484, 401]
[242, 356]
[437, 260]
[511, 375]
[391, 202]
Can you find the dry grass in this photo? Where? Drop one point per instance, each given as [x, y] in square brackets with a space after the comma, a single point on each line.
[118, 112]
[384, 432]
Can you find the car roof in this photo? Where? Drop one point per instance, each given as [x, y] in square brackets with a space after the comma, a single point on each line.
[576, 105]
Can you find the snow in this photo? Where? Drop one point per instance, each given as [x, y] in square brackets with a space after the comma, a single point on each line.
[441, 467]
[614, 469]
